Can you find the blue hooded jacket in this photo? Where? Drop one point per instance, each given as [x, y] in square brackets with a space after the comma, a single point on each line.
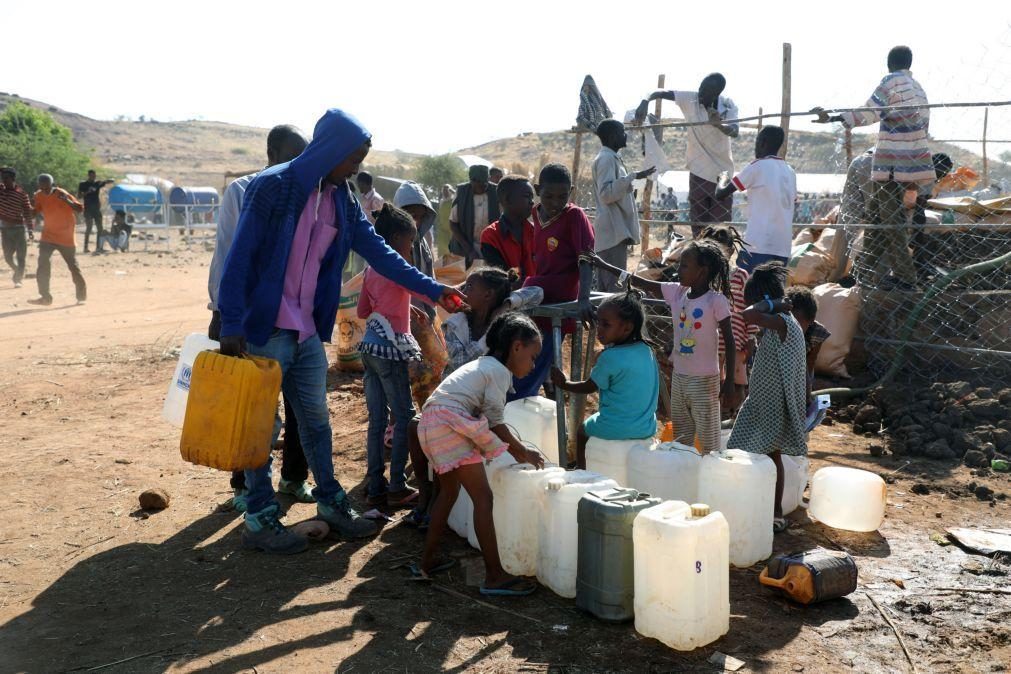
[253, 280]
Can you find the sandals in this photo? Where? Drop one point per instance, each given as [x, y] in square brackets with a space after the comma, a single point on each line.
[779, 524]
[514, 587]
[417, 573]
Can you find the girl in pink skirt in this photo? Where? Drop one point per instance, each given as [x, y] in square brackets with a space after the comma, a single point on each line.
[462, 426]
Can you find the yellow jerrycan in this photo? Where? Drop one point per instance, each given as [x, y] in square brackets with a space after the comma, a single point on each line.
[230, 412]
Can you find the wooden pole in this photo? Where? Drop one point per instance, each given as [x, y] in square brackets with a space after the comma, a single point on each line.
[575, 165]
[986, 162]
[848, 144]
[647, 192]
[784, 118]
[760, 119]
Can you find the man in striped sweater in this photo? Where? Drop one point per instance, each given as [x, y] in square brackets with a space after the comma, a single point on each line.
[16, 218]
[900, 165]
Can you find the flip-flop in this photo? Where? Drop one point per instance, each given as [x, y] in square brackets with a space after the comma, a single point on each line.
[514, 587]
[417, 573]
[779, 524]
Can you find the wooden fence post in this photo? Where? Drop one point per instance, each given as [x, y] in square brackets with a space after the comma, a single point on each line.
[784, 118]
[986, 161]
[647, 192]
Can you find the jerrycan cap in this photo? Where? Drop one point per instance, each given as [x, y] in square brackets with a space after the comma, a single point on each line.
[699, 510]
[556, 483]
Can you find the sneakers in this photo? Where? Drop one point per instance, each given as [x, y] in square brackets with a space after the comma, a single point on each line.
[264, 532]
[240, 499]
[343, 519]
[300, 491]
[41, 301]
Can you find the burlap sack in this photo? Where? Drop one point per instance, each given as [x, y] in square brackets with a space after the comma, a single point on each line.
[839, 312]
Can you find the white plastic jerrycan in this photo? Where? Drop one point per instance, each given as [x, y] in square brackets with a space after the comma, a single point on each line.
[558, 547]
[670, 470]
[174, 410]
[682, 574]
[490, 468]
[794, 481]
[848, 498]
[517, 514]
[535, 420]
[742, 486]
[461, 514]
[610, 457]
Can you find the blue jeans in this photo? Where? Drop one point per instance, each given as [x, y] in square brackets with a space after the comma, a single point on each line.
[530, 385]
[387, 389]
[748, 261]
[303, 371]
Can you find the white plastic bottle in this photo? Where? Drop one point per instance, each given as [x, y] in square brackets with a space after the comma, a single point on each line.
[492, 467]
[558, 548]
[174, 410]
[795, 470]
[742, 486]
[669, 470]
[517, 514]
[534, 420]
[682, 575]
[848, 498]
[610, 457]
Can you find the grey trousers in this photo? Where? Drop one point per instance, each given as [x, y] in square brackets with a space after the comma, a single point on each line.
[15, 248]
[886, 250]
[617, 256]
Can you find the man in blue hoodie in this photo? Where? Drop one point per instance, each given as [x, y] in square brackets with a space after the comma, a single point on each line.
[278, 298]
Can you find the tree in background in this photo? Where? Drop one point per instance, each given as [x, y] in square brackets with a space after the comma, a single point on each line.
[434, 172]
[33, 142]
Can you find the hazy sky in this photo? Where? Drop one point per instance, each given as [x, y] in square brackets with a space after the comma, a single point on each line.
[438, 76]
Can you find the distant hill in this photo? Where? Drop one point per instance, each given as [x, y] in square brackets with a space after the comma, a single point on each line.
[200, 152]
[808, 152]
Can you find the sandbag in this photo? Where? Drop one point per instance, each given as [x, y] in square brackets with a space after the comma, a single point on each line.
[425, 374]
[839, 312]
[809, 266]
[803, 237]
[350, 328]
[832, 243]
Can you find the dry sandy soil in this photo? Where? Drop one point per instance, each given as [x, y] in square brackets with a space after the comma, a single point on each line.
[88, 582]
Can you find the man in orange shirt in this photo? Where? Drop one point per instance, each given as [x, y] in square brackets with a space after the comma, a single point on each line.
[57, 207]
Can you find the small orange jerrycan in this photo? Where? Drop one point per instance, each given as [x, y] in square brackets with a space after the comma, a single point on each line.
[230, 412]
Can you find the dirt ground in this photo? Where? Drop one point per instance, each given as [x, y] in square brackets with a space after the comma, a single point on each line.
[88, 582]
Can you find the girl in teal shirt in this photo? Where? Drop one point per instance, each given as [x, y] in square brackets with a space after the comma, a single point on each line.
[626, 376]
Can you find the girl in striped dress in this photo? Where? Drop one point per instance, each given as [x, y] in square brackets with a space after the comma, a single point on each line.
[462, 426]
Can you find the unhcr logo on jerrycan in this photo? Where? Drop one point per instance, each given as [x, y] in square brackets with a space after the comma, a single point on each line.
[183, 381]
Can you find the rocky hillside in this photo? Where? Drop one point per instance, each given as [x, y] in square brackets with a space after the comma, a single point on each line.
[201, 152]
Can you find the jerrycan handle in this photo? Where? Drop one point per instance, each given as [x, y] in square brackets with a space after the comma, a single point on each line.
[782, 583]
[623, 492]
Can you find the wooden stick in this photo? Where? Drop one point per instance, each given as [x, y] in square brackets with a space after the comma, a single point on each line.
[759, 118]
[647, 192]
[986, 162]
[460, 595]
[132, 657]
[784, 117]
[85, 547]
[848, 144]
[898, 635]
[984, 590]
